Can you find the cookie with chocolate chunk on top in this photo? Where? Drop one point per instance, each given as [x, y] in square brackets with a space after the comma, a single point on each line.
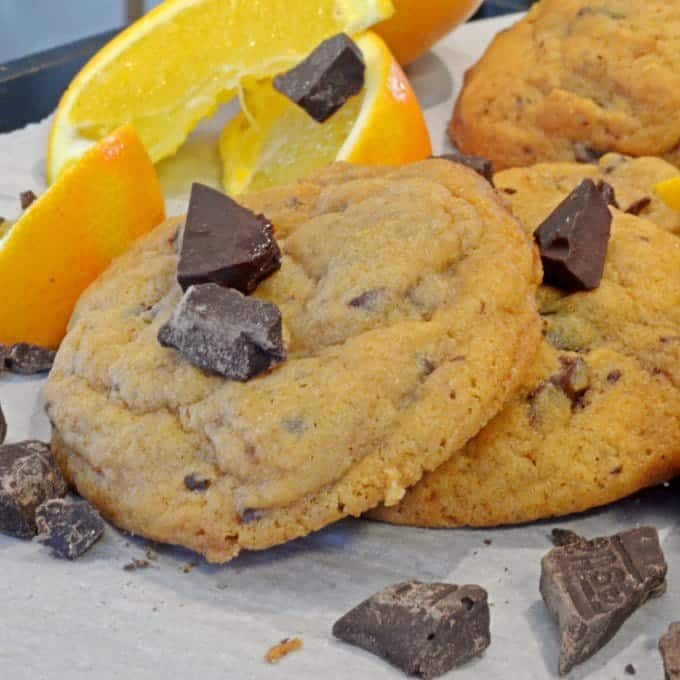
[403, 293]
[598, 417]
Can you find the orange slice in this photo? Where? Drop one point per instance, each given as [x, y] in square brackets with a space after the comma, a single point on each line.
[273, 141]
[418, 24]
[66, 238]
[669, 192]
[174, 66]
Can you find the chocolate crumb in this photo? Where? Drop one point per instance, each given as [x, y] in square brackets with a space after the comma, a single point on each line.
[27, 198]
[137, 564]
[629, 669]
[189, 567]
[487, 541]
[195, 484]
[285, 647]
[637, 207]
[561, 537]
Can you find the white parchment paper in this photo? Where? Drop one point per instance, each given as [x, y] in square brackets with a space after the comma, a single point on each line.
[92, 620]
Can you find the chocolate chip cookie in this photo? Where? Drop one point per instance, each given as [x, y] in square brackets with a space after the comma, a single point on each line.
[599, 415]
[573, 80]
[407, 299]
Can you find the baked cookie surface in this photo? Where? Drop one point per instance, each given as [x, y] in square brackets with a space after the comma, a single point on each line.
[408, 304]
[598, 417]
[574, 78]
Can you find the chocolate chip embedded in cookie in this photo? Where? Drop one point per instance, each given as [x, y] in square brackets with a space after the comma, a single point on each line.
[598, 417]
[425, 629]
[568, 83]
[408, 302]
[592, 586]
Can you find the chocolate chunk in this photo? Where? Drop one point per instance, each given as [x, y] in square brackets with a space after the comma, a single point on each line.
[561, 537]
[222, 331]
[69, 527]
[592, 586]
[28, 359]
[608, 193]
[425, 629]
[614, 376]
[3, 426]
[27, 198]
[29, 476]
[586, 154]
[573, 379]
[573, 240]
[326, 79]
[669, 645]
[193, 483]
[482, 166]
[368, 299]
[639, 206]
[225, 243]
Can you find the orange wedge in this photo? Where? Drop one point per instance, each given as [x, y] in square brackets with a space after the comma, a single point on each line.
[66, 238]
[669, 192]
[419, 24]
[174, 66]
[273, 141]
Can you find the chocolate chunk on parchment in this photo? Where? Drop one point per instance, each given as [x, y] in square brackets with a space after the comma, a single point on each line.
[669, 646]
[70, 527]
[3, 426]
[225, 243]
[608, 193]
[425, 629]
[482, 166]
[592, 586]
[326, 79]
[29, 476]
[27, 198]
[573, 240]
[29, 359]
[222, 331]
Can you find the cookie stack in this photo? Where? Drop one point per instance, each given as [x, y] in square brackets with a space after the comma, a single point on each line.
[386, 340]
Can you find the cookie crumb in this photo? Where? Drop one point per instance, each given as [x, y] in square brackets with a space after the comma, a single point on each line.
[285, 647]
[189, 567]
[137, 564]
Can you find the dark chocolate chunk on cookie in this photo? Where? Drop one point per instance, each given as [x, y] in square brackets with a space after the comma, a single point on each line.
[28, 477]
[592, 586]
[573, 379]
[425, 629]
[326, 79]
[70, 527]
[669, 646]
[573, 240]
[482, 166]
[222, 331]
[639, 206]
[225, 243]
[29, 359]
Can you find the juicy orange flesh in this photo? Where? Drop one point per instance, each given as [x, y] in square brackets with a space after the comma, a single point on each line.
[194, 70]
[99, 206]
[305, 145]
